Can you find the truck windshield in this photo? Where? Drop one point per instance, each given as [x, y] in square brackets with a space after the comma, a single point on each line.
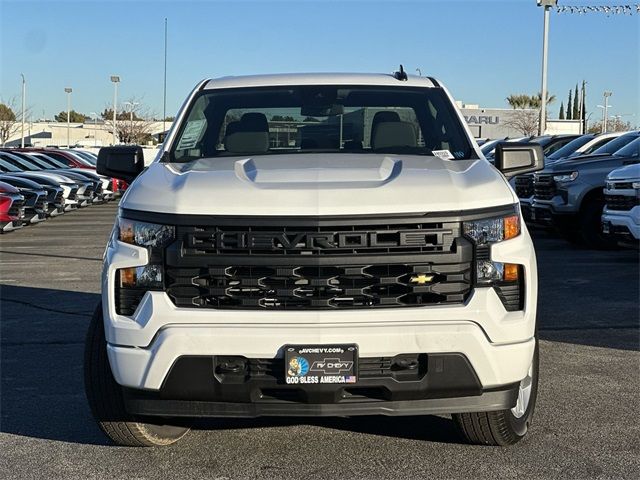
[616, 144]
[328, 119]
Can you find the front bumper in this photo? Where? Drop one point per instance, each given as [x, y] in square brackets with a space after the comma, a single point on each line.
[144, 348]
[622, 222]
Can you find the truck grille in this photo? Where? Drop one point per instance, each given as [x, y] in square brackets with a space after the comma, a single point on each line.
[621, 186]
[524, 186]
[59, 198]
[73, 194]
[16, 208]
[320, 267]
[621, 202]
[544, 187]
[41, 202]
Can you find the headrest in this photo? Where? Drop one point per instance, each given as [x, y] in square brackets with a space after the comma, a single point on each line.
[247, 142]
[232, 127]
[254, 122]
[384, 116]
[394, 134]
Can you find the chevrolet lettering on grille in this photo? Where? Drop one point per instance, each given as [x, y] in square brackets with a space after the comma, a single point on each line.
[312, 240]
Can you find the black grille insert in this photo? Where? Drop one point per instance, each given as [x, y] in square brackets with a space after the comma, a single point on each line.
[319, 267]
[621, 202]
[544, 187]
[524, 186]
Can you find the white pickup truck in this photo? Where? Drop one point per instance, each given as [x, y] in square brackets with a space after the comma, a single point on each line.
[316, 245]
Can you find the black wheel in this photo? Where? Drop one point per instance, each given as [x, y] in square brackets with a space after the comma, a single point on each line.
[504, 427]
[591, 226]
[106, 399]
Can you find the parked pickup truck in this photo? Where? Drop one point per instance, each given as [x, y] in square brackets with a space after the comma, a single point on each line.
[316, 245]
[621, 216]
[569, 194]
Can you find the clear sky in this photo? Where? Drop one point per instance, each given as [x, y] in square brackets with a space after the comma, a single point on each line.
[482, 50]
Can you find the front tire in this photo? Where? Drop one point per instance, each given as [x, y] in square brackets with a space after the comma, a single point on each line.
[504, 427]
[106, 399]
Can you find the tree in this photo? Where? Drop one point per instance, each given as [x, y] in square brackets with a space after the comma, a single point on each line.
[561, 117]
[519, 100]
[576, 107]
[10, 121]
[132, 127]
[536, 101]
[280, 118]
[74, 116]
[569, 110]
[310, 119]
[525, 121]
[526, 118]
[107, 114]
[613, 125]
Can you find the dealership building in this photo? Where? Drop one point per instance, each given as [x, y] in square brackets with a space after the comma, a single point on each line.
[496, 122]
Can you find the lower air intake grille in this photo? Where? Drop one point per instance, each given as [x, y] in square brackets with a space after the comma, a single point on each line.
[621, 202]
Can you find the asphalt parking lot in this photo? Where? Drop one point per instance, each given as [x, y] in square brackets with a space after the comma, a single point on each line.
[586, 423]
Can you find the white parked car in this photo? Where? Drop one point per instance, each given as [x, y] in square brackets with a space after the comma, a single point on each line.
[316, 245]
[621, 215]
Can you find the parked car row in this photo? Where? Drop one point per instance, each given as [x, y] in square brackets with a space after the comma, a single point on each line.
[36, 184]
[589, 190]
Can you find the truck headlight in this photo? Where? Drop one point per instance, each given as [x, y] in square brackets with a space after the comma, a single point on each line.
[144, 234]
[492, 230]
[565, 177]
[132, 283]
[506, 278]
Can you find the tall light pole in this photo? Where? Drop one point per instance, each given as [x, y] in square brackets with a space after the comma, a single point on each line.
[547, 4]
[164, 90]
[605, 110]
[68, 91]
[24, 94]
[115, 79]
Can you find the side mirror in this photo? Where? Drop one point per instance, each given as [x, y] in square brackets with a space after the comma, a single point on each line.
[517, 158]
[124, 162]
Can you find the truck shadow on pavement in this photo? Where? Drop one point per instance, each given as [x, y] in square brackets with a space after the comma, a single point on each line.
[42, 394]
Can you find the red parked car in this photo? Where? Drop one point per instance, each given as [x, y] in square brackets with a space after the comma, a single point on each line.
[11, 208]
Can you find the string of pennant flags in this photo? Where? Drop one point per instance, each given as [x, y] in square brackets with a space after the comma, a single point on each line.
[606, 9]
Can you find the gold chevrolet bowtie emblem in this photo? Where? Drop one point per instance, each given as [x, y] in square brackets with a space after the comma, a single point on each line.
[421, 279]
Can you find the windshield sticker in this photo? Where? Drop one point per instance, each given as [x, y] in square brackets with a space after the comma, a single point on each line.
[191, 135]
[443, 154]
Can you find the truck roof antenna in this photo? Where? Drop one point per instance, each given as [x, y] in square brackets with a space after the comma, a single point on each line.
[401, 74]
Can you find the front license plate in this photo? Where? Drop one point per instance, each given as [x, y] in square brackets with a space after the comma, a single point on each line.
[320, 364]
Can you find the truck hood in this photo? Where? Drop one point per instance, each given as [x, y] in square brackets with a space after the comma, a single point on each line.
[318, 184]
[630, 172]
[571, 164]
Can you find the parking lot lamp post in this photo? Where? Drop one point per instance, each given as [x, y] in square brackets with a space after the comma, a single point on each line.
[24, 94]
[605, 110]
[115, 79]
[68, 92]
[547, 4]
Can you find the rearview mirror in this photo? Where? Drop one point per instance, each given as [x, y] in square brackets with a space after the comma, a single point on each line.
[332, 110]
[517, 158]
[124, 162]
